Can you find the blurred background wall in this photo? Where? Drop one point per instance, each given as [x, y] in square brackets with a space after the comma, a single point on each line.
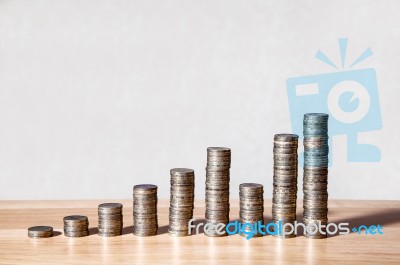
[97, 96]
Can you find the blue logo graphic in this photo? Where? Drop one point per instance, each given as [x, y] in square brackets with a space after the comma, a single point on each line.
[349, 96]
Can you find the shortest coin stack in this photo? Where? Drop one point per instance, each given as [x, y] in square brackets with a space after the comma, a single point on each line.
[76, 226]
[110, 219]
[251, 205]
[145, 221]
[40, 231]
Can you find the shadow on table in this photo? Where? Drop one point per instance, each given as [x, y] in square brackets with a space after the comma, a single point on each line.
[382, 218]
[129, 230]
[164, 229]
[56, 233]
[93, 231]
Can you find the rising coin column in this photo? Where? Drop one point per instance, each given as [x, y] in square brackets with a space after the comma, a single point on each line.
[181, 201]
[110, 219]
[217, 187]
[315, 177]
[285, 180]
[76, 226]
[251, 205]
[145, 221]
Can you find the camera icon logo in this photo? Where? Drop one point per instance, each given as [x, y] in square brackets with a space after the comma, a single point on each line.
[349, 96]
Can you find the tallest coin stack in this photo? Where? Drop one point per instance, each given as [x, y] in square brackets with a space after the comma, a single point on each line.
[217, 187]
[315, 177]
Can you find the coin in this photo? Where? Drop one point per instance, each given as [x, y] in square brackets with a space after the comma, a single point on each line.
[251, 206]
[217, 186]
[315, 176]
[181, 201]
[110, 219]
[75, 219]
[145, 221]
[110, 208]
[285, 179]
[40, 231]
[76, 226]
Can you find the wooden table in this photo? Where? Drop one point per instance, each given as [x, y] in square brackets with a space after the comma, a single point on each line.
[17, 248]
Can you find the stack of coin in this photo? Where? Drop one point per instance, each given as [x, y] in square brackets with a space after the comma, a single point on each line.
[285, 180]
[251, 209]
[217, 187]
[40, 231]
[181, 201]
[110, 219]
[315, 176]
[145, 221]
[76, 226]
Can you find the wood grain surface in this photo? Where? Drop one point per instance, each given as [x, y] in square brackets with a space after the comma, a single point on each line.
[17, 248]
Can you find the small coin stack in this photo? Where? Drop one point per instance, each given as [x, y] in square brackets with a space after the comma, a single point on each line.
[315, 176]
[110, 219]
[76, 226]
[181, 201]
[285, 180]
[145, 221]
[40, 231]
[217, 187]
[251, 205]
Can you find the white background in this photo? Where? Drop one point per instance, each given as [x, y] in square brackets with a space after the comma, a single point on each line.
[97, 96]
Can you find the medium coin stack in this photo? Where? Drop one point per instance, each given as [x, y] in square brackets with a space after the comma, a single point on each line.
[110, 219]
[76, 226]
[315, 176]
[181, 201]
[40, 231]
[217, 187]
[285, 180]
[145, 221]
[251, 205]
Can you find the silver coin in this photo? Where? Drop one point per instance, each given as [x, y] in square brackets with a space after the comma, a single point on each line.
[75, 219]
[40, 231]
